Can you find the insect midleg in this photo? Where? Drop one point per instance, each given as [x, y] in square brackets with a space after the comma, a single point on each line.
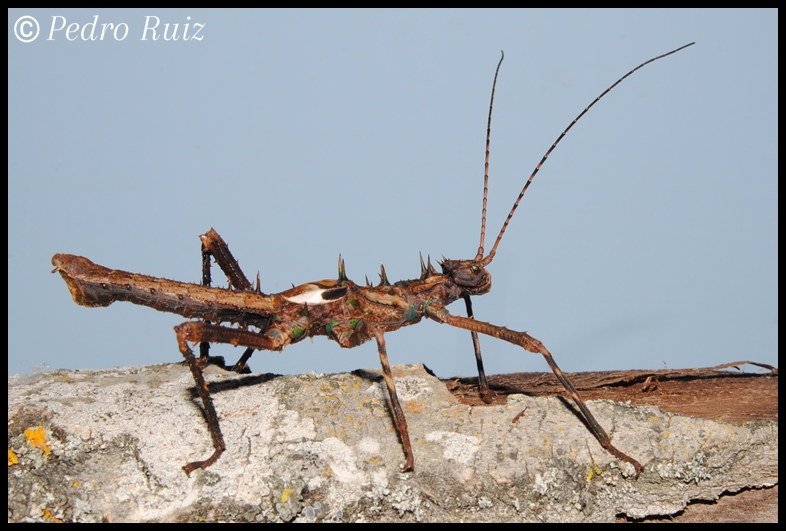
[527, 342]
[398, 413]
[214, 245]
[205, 332]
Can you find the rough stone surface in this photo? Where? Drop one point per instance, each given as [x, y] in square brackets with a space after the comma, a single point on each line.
[323, 448]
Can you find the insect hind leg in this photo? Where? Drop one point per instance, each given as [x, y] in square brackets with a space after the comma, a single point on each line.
[214, 245]
[203, 333]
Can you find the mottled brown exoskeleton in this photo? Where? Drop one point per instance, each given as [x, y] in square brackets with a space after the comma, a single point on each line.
[339, 309]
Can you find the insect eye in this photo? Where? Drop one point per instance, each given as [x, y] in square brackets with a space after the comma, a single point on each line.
[475, 268]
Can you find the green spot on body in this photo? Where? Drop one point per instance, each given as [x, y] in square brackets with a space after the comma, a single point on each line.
[297, 332]
[412, 313]
[354, 323]
[353, 303]
[330, 326]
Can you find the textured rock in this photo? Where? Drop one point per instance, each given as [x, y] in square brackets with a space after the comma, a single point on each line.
[323, 448]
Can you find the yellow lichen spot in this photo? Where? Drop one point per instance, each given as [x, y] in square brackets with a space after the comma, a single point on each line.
[287, 493]
[594, 471]
[653, 419]
[75, 484]
[12, 459]
[50, 517]
[37, 437]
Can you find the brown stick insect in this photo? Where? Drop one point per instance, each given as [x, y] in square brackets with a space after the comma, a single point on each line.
[339, 309]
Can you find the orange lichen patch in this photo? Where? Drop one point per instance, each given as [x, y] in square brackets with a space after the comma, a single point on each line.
[414, 406]
[12, 459]
[37, 437]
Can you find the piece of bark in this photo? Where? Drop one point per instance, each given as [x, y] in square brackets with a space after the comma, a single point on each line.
[323, 448]
[723, 392]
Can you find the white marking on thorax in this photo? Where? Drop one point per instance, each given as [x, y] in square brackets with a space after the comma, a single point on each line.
[311, 296]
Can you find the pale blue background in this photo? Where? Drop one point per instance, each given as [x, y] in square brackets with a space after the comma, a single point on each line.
[648, 240]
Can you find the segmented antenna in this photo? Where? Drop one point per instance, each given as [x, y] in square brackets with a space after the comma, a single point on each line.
[486, 170]
[487, 260]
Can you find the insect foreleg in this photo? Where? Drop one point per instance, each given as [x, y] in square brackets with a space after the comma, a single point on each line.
[205, 332]
[214, 245]
[398, 413]
[483, 384]
[524, 340]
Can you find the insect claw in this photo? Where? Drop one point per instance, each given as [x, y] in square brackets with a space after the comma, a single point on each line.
[342, 272]
[383, 278]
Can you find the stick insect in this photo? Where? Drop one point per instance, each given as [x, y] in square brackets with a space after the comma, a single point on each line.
[345, 312]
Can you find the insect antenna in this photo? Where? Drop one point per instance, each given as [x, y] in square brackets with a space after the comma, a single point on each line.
[486, 170]
[487, 260]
